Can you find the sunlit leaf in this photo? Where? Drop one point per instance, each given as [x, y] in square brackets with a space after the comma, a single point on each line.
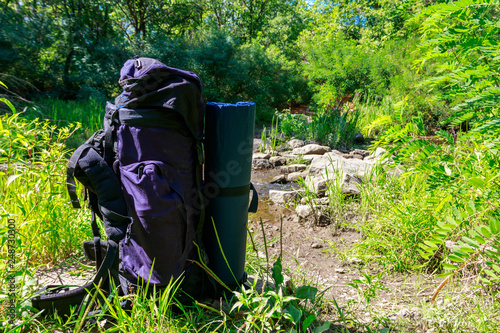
[493, 226]
[470, 242]
[431, 245]
[477, 182]
[467, 249]
[9, 104]
[496, 268]
[11, 179]
[443, 275]
[491, 273]
[484, 231]
[295, 313]
[277, 271]
[449, 266]
[455, 258]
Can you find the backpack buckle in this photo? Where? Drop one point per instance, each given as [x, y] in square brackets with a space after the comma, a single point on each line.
[137, 63]
[129, 231]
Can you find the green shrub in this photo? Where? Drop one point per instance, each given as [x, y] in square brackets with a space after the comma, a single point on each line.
[335, 129]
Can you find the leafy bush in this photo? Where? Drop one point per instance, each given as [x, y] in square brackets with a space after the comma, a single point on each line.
[461, 43]
[461, 171]
[335, 129]
[294, 125]
[233, 72]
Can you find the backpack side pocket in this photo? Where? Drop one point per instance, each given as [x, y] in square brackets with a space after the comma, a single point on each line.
[157, 245]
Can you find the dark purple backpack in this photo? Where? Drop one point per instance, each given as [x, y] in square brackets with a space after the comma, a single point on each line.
[142, 176]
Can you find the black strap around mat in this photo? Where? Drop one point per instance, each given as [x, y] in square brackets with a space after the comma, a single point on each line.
[239, 191]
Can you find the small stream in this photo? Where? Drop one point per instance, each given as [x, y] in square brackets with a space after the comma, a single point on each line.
[268, 211]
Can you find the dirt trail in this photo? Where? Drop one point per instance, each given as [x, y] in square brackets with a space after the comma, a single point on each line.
[318, 254]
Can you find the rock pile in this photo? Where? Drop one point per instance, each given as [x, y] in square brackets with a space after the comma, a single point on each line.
[336, 170]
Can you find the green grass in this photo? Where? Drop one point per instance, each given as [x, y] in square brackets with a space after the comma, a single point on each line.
[89, 113]
[335, 128]
[33, 189]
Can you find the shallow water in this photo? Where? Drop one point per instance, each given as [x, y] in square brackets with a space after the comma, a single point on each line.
[267, 211]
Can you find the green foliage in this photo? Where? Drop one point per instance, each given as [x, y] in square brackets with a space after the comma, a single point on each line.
[227, 44]
[33, 160]
[358, 60]
[349, 50]
[294, 125]
[270, 310]
[460, 172]
[88, 112]
[461, 43]
[233, 72]
[367, 286]
[398, 215]
[335, 129]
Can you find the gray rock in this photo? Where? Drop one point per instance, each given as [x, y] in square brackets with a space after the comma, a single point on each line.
[311, 149]
[256, 144]
[304, 211]
[322, 219]
[357, 156]
[336, 152]
[359, 138]
[329, 159]
[319, 184]
[279, 179]
[361, 152]
[288, 157]
[293, 168]
[379, 152]
[295, 176]
[331, 168]
[376, 154]
[261, 156]
[316, 246]
[322, 201]
[351, 184]
[282, 197]
[278, 160]
[311, 157]
[412, 314]
[296, 143]
[259, 164]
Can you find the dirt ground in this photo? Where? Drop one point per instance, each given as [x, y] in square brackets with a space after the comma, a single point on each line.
[319, 255]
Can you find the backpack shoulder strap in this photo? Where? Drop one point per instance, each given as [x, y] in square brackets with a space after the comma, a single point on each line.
[62, 299]
[95, 174]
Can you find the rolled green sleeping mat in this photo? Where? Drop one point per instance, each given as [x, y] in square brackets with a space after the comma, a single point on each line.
[229, 132]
